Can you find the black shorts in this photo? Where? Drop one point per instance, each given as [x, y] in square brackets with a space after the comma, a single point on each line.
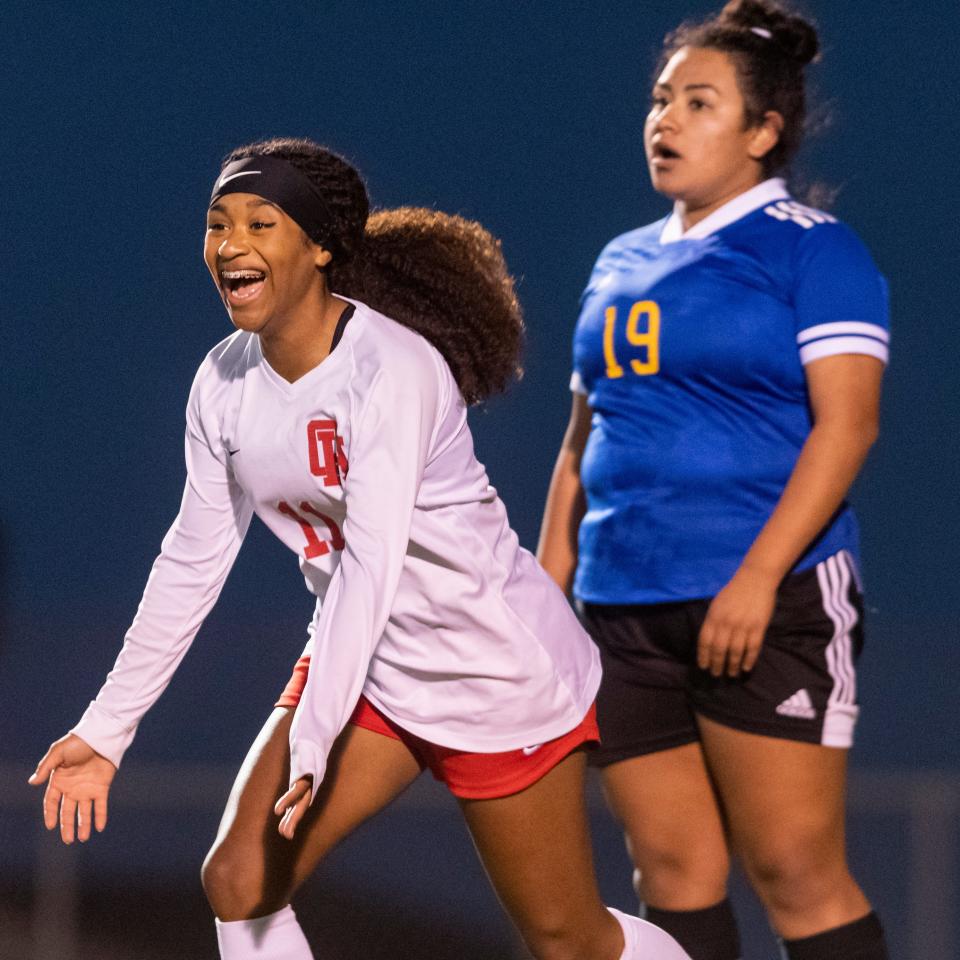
[802, 687]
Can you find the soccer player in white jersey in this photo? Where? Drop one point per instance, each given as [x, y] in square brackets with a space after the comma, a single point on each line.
[727, 369]
[337, 414]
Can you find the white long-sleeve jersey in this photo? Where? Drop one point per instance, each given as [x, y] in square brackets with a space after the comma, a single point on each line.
[365, 468]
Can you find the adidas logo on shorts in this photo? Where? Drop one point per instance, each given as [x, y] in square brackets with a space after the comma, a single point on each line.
[799, 705]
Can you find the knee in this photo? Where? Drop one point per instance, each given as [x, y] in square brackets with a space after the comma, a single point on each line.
[234, 885]
[557, 938]
[683, 875]
[793, 875]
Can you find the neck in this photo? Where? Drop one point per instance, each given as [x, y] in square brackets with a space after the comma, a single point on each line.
[302, 342]
[691, 212]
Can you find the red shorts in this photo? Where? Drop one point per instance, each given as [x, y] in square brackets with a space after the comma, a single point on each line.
[471, 776]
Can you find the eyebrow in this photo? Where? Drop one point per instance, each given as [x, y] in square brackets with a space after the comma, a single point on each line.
[689, 86]
[256, 202]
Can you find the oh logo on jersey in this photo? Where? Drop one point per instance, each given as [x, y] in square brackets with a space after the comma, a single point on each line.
[325, 448]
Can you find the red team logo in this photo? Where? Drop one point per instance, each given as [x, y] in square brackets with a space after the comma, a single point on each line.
[327, 458]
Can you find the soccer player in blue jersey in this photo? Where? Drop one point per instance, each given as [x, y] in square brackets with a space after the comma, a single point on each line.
[727, 370]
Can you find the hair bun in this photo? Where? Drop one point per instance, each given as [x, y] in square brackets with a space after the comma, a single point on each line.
[792, 34]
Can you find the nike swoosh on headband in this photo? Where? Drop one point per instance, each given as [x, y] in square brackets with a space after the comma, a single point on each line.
[282, 184]
[233, 176]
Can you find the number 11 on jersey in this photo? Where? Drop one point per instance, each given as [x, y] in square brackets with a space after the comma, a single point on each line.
[648, 338]
[315, 547]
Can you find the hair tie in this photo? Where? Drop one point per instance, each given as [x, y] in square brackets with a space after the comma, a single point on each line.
[762, 32]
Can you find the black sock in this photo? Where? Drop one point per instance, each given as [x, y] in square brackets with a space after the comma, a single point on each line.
[709, 934]
[861, 940]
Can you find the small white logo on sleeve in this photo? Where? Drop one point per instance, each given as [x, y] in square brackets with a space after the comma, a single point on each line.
[799, 705]
[529, 751]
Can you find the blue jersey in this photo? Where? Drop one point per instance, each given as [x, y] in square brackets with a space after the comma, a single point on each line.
[690, 348]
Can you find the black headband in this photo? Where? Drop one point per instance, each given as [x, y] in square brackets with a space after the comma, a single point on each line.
[280, 183]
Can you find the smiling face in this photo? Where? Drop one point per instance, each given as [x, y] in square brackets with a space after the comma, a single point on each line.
[266, 269]
[700, 149]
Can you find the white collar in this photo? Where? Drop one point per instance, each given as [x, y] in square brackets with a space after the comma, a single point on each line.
[742, 204]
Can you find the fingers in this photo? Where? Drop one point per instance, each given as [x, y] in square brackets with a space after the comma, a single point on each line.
[51, 804]
[713, 646]
[100, 813]
[288, 824]
[752, 652]
[292, 806]
[68, 813]
[736, 650]
[705, 645]
[719, 650]
[76, 818]
[287, 800]
[727, 649]
[78, 781]
[50, 761]
[293, 816]
[84, 816]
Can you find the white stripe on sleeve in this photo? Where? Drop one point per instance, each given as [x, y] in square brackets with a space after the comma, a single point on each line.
[576, 383]
[833, 346]
[843, 328]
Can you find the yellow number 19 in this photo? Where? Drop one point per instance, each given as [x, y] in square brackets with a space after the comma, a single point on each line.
[648, 338]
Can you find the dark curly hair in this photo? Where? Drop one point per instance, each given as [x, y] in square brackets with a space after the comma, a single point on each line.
[770, 45]
[440, 275]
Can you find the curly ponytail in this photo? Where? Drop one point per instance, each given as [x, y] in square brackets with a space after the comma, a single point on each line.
[441, 275]
[446, 278]
[770, 46]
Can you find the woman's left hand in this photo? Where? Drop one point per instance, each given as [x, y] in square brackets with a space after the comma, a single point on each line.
[737, 619]
[293, 805]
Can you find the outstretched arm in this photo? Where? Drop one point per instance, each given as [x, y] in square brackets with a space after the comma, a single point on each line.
[196, 556]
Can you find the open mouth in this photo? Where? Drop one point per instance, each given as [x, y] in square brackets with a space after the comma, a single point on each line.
[242, 286]
[663, 152]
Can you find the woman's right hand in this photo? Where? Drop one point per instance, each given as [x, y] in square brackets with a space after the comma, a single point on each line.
[78, 781]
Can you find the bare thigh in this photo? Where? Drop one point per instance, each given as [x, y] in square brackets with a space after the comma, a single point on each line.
[535, 847]
[784, 803]
[251, 870]
[674, 829]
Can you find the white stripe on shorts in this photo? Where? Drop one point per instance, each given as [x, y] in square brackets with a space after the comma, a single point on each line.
[834, 576]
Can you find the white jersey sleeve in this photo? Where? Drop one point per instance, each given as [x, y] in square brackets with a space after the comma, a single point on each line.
[392, 439]
[195, 558]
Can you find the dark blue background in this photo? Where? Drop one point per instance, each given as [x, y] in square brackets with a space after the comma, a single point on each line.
[527, 117]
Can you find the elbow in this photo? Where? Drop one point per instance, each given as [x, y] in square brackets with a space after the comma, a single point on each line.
[866, 430]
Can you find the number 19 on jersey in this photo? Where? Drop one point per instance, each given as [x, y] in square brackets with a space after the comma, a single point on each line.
[643, 330]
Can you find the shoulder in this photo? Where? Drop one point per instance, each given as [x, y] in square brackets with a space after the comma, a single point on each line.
[798, 245]
[226, 360]
[809, 232]
[223, 365]
[633, 240]
[386, 352]
[625, 253]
